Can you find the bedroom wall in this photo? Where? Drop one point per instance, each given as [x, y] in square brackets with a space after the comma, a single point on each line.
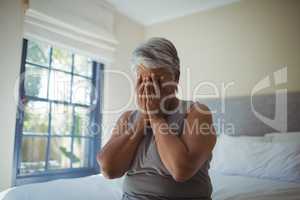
[11, 19]
[241, 43]
[118, 95]
[116, 87]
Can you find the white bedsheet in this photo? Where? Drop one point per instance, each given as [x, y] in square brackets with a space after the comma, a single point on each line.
[94, 187]
[98, 188]
[248, 188]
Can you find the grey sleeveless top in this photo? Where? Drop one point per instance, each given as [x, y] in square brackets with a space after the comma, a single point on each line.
[148, 178]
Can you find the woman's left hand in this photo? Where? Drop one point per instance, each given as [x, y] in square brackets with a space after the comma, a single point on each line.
[153, 97]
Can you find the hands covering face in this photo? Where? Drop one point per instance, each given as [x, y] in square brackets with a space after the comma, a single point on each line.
[148, 95]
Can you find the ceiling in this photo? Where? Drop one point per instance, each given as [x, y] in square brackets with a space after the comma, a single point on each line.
[154, 11]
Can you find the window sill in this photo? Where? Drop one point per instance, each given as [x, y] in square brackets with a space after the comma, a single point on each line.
[44, 177]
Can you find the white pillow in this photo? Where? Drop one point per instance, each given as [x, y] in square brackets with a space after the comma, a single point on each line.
[257, 158]
[293, 137]
[245, 138]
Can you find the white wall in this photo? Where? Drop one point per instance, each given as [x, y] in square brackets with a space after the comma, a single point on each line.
[119, 95]
[241, 42]
[11, 19]
[128, 33]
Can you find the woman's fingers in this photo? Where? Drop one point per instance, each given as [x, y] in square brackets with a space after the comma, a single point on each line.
[148, 91]
[148, 96]
[152, 90]
[138, 82]
[156, 87]
[144, 99]
[141, 89]
[141, 93]
[147, 88]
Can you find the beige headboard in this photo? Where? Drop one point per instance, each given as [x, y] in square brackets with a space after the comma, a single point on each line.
[261, 115]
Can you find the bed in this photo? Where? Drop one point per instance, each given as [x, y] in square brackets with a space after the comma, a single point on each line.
[228, 187]
[96, 187]
[259, 163]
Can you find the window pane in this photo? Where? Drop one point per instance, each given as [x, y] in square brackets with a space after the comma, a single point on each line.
[36, 81]
[61, 119]
[81, 90]
[61, 59]
[82, 65]
[33, 154]
[59, 88]
[81, 151]
[38, 53]
[60, 153]
[82, 117]
[36, 118]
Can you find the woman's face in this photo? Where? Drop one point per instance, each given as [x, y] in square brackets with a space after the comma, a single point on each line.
[164, 78]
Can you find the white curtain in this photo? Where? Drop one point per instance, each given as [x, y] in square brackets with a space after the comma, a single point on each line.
[85, 26]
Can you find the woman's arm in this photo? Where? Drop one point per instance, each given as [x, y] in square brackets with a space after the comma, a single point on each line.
[116, 156]
[183, 156]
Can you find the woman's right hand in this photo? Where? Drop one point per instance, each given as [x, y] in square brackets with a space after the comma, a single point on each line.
[139, 125]
[142, 119]
[140, 94]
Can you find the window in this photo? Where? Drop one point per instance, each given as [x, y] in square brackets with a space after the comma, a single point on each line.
[58, 121]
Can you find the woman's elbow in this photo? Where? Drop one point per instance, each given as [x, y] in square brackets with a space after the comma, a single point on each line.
[109, 174]
[106, 167]
[181, 177]
[182, 174]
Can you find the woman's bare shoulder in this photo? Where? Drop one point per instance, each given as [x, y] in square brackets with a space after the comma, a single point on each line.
[198, 108]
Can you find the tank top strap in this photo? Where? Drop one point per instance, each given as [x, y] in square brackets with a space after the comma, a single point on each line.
[176, 120]
[132, 118]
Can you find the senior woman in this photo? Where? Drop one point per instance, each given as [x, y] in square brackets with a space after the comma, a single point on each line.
[165, 146]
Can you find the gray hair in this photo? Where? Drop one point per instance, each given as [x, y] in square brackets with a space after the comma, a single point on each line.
[157, 53]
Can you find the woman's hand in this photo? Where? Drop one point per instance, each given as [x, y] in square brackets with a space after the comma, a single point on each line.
[142, 119]
[140, 125]
[149, 97]
[153, 97]
[140, 94]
